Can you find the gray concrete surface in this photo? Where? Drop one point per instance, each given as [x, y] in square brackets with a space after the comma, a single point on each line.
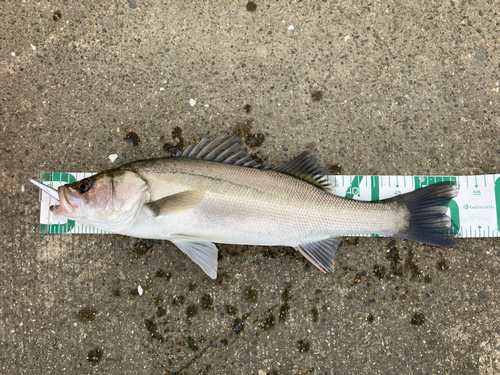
[388, 88]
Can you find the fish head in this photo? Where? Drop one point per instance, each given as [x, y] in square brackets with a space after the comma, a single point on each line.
[109, 199]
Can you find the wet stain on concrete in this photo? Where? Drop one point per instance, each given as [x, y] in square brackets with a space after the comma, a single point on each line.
[132, 139]
[268, 324]
[442, 264]
[94, 356]
[57, 15]
[410, 266]
[417, 319]
[379, 271]
[303, 346]
[316, 95]
[206, 302]
[250, 293]
[178, 144]
[314, 314]
[87, 315]
[161, 312]
[191, 343]
[251, 6]
[178, 300]
[336, 169]
[285, 307]
[158, 300]
[153, 330]
[142, 246]
[251, 139]
[191, 312]
[392, 254]
[239, 324]
[231, 310]
[162, 274]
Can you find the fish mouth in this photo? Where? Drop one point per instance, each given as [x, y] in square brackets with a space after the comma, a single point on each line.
[64, 206]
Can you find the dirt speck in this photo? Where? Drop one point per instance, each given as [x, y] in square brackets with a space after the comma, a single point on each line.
[206, 302]
[247, 108]
[251, 6]
[314, 314]
[252, 140]
[178, 301]
[379, 271]
[250, 293]
[316, 95]
[191, 312]
[417, 319]
[410, 265]
[191, 343]
[239, 324]
[336, 169]
[370, 318]
[158, 300]
[94, 356]
[192, 287]
[303, 346]
[392, 254]
[442, 264]
[132, 139]
[161, 311]
[142, 246]
[87, 315]
[153, 330]
[166, 275]
[57, 15]
[285, 307]
[267, 324]
[231, 310]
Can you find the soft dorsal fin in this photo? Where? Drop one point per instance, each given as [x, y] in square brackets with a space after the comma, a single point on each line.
[307, 166]
[176, 202]
[226, 148]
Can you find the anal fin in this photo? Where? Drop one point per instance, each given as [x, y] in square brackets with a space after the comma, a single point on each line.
[321, 253]
[204, 254]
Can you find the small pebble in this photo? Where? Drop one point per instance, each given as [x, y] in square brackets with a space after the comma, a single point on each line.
[192, 102]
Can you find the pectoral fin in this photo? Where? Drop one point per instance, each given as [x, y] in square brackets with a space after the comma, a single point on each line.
[203, 254]
[321, 253]
[176, 202]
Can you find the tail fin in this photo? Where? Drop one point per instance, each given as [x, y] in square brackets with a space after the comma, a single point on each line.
[428, 222]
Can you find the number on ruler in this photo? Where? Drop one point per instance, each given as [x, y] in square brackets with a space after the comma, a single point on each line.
[477, 192]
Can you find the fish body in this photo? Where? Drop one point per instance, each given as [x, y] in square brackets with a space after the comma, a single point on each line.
[215, 193]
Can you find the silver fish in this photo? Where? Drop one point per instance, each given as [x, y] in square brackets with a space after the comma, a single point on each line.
[216, 192]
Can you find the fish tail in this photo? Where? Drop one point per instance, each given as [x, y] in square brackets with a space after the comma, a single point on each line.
[427, 219]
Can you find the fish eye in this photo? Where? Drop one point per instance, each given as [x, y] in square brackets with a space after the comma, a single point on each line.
[84, 185]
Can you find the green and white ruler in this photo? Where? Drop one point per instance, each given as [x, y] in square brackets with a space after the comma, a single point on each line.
[475, 210]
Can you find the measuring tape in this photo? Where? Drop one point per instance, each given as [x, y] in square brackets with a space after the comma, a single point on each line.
[475, 210]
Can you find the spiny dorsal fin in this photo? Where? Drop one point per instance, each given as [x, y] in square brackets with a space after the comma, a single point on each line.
[225, 148]
[307, 166]
[176, 202]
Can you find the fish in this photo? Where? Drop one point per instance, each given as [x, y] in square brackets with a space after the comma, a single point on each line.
[215, 192]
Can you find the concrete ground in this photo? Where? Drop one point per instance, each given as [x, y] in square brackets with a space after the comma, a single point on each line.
[386, 88]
